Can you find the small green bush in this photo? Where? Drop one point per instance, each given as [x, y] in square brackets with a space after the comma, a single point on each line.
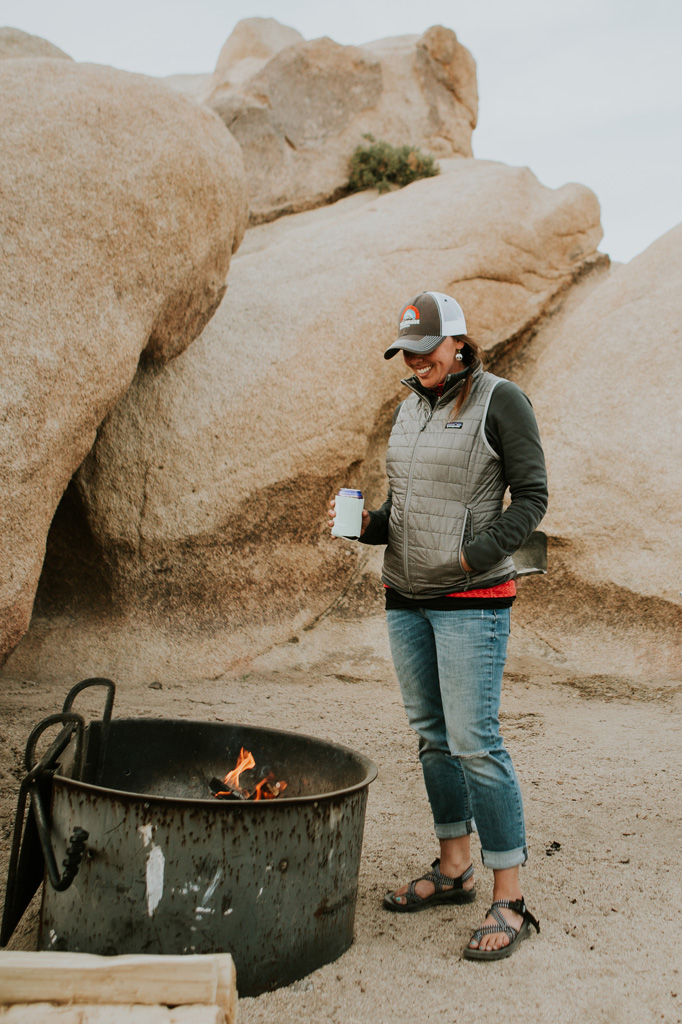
[381, 165]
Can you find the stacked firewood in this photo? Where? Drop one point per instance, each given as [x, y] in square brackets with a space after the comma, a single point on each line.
[79, 988]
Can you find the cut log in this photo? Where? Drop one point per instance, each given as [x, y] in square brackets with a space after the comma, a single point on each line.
[121, 1013]
[134, 978]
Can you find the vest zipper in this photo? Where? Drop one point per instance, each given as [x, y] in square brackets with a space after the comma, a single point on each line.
[408, 493]
[462, 540]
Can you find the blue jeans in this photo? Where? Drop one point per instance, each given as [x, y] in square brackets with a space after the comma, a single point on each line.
[449, 665]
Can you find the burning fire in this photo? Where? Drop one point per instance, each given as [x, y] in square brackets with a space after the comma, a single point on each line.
[245, 761]
[266, 789]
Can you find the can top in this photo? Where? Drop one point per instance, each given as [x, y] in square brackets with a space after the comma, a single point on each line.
[348, 492]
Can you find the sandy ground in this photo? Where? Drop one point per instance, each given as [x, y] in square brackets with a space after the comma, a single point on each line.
[601, 775]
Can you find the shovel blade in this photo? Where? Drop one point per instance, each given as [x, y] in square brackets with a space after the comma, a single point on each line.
[531, 557]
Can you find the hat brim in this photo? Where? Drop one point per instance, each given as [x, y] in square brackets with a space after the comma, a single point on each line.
[419, 344]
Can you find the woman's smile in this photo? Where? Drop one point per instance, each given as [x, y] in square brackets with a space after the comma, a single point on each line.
[434, 367]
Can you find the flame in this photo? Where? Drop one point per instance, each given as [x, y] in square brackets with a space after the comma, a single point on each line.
[274, 788]
[258, 795]
[245, 761]
[266, 789]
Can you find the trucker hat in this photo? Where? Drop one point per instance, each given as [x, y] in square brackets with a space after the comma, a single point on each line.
[425, 321]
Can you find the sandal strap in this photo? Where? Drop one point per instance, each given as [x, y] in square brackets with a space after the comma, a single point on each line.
[504, 924]
[493, 929]
[440, 880]
[519, 907]
[411, 896]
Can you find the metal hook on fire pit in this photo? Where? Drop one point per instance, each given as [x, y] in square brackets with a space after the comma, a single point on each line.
[76, 846]
[110, 687]
[71, 721]
[32, 832]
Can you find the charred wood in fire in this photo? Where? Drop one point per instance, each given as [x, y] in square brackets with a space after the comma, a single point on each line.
[223, 790]
[266, 789]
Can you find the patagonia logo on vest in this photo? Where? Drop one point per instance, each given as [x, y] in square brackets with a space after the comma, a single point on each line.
[454, 425]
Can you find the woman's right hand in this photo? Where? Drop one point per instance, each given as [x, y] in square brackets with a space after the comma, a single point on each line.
[332, 514]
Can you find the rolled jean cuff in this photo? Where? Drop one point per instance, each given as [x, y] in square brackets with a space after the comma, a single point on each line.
[453, 829]
[497, 860]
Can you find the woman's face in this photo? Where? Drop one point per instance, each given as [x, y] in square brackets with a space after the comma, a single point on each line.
[432, 369]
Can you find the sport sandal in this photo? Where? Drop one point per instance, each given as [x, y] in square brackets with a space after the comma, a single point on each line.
[515, 937]
[456, 893]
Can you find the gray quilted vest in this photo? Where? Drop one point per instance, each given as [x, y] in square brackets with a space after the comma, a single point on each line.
[447, 485]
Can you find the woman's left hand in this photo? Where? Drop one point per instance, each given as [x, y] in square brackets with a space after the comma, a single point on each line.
[465, 564]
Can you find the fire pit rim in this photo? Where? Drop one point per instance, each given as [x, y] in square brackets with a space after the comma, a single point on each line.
[371, 772]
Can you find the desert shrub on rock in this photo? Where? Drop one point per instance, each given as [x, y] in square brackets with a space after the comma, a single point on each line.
[299, 115]
[380, 165]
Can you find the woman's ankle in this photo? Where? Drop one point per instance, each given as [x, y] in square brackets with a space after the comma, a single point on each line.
[507, 884]
[455, 856]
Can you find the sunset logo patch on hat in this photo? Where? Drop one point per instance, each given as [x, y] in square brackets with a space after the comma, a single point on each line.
[410, 317]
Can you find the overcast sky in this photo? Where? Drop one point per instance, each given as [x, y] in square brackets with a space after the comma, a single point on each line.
[578, 90]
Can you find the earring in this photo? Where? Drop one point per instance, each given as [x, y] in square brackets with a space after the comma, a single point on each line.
[458, 356]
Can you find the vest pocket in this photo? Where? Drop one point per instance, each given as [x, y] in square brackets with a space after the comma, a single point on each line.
[467, 535]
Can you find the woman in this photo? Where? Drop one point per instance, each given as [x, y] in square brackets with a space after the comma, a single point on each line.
[459, 439]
